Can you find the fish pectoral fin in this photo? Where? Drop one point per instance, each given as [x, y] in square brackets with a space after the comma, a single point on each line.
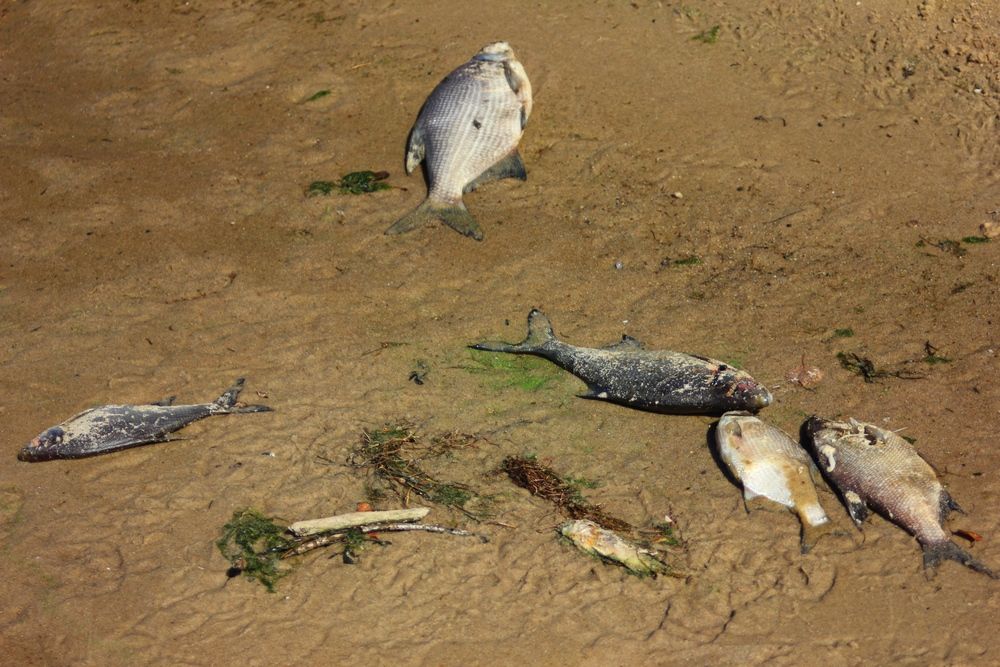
[455, 216]
[415, 149]
[811, 533]
[753, 502]
[595, 392]
[857, 509]
[509, 167]
[626, 343]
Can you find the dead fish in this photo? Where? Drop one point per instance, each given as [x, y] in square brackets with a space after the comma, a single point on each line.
[467, 134]
[769, 464]
[873, 467]
[608, 545]
[656, 380]
[112, 427]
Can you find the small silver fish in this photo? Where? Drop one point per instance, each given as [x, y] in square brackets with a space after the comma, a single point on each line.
[608, 545]
[656, 380]
[467, 134]
[113, 427]
[874, 467]
[769, 464]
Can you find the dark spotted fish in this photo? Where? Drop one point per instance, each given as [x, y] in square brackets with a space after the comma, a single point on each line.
[655, 380]
[873, 467]
[769, 464]
[113, 427]
[467, 134]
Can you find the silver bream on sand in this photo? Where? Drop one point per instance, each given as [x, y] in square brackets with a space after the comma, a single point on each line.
[112, 427]
[656, 380]
[467, 134]
[874, 467]
[770, 465]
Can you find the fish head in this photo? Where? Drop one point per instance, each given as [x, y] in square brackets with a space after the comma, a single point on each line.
[496, 52]
[729, 431]
[729, 439]
[740, 390]
[46, 445]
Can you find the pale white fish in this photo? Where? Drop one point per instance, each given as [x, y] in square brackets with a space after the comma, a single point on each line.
[467, 134]
[771, 465]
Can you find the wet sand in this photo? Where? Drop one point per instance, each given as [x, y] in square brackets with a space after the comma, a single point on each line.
[158, 241]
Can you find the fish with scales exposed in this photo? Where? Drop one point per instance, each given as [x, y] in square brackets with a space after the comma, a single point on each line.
[656, 380]
[874, 467]
[770, 465]
[112, 427]
[466, 134]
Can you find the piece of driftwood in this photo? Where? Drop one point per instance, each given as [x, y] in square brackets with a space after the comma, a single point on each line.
[354, 519]
[330, 538]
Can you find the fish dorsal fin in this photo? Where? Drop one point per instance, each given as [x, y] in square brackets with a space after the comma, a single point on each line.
[626, 343]
[414, 149]
[166, 402]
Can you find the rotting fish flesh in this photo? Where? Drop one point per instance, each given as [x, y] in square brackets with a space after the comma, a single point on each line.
[608, 545]
[874, 467]
[656, 380]
[467, 134]
[113, 427]
[770, 465]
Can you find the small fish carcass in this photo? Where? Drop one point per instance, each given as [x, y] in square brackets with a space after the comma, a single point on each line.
[112, 427]
[874, 467]
[467, 134]
[609, 546]
[656, 380]
[770, 465]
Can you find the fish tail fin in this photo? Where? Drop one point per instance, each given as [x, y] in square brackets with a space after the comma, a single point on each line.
[811, 533]
[455, 216]
[229, 401]
[539, 334]
[947, 550]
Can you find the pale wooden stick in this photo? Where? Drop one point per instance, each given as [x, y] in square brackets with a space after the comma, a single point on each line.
[323, 540]
[355, 519]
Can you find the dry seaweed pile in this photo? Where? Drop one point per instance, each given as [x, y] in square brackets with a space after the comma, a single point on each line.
[392, 455]
[545, 483]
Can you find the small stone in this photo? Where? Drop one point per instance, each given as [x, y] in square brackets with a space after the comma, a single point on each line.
[677, 195]
[619, 266]
[990, 230]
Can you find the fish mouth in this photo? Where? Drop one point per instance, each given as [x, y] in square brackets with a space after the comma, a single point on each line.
[760, 399]
[31, 451]
[494, 53]
[490, 57]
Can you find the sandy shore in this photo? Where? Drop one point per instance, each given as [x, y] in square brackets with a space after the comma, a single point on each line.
[158, 241]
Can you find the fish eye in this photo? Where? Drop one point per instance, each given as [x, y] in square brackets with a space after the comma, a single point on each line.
[54, 436]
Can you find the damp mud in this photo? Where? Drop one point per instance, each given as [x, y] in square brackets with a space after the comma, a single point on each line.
[777, 185]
